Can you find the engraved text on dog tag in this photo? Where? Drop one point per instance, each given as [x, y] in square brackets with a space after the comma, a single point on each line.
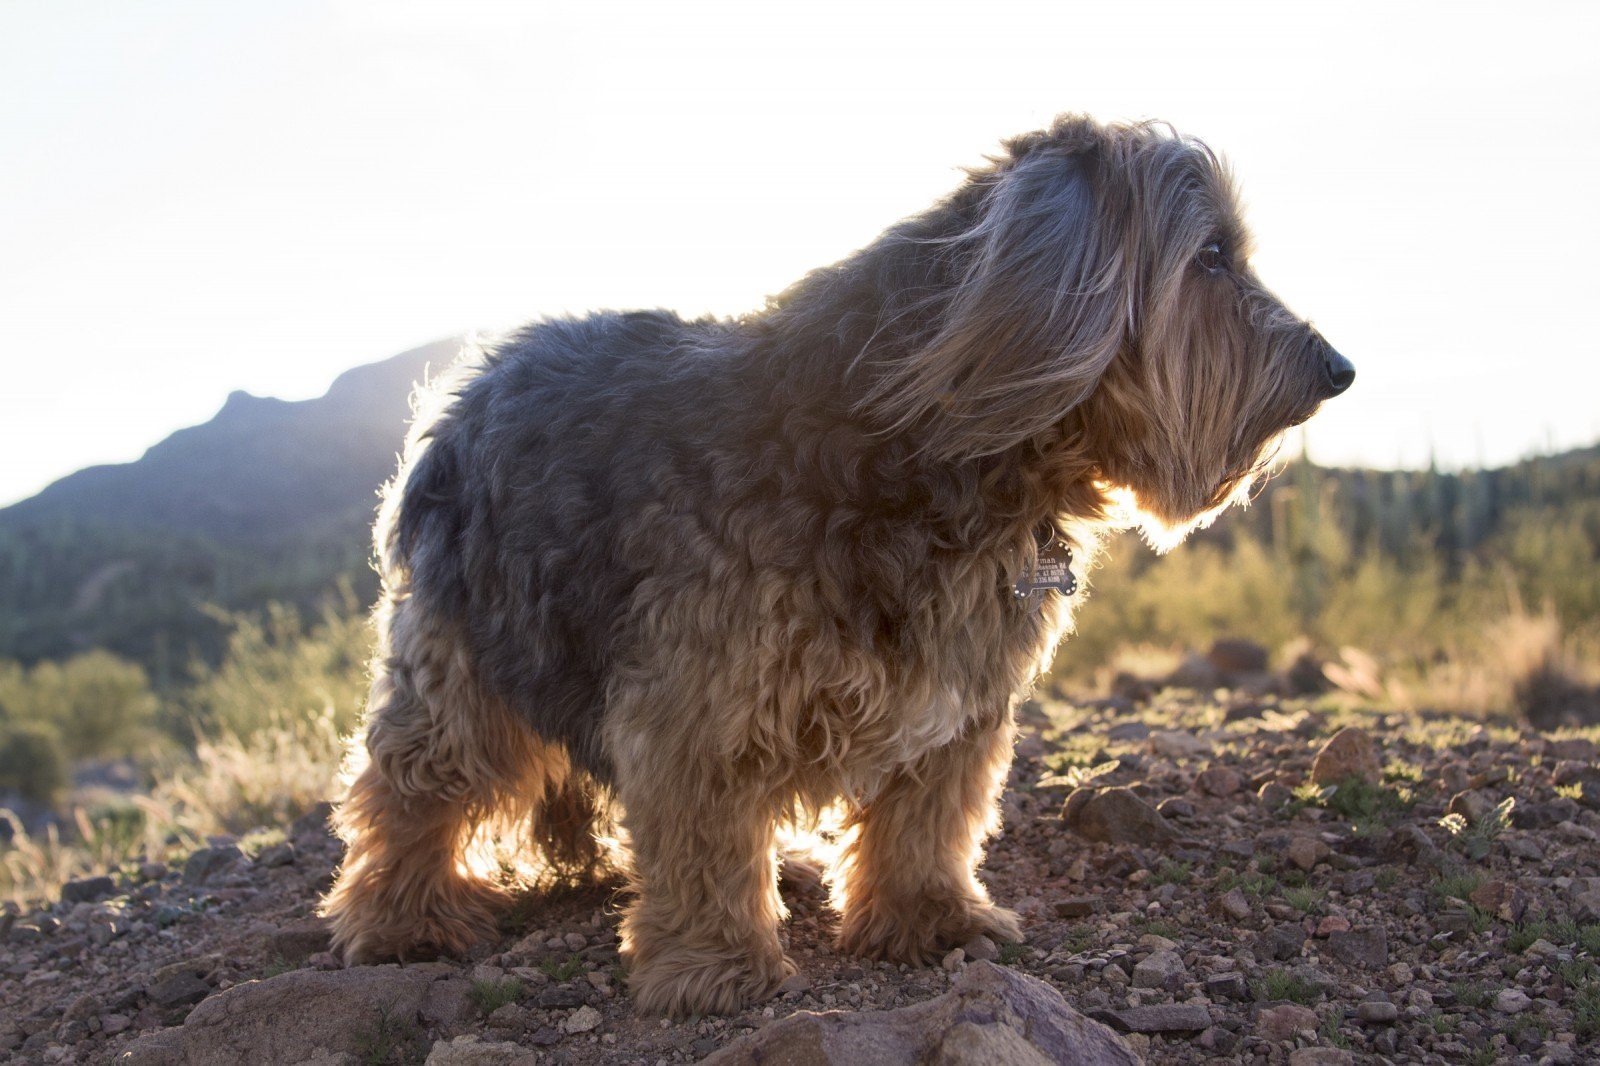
[1053, 570]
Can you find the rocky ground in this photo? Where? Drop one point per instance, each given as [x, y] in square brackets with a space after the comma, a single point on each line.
[1217, 877]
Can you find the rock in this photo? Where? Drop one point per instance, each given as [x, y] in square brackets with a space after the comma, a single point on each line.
[1237, 657]
[290, 1018]
[1117, 816]
[178, 989]
[1511, 1001]
[1376, 1012]
[1234, 904]
[1321, 1056]
[1160, 969]
[1217, 781]
[583, 1020]
[991, 1016]
[1195, 672]
[1472, 806]
[277, 855]
[1577, 749]
[1284, 941]
[953, 960]
[448, 1002]
[981, 949]
[1306, 852]
[1226, 986]
[1585, 906]
[1367, 948]
[1283, 1022]
[1128, 733]
[112, 1024]
[471, 1051]
[299, 940]
[1349, 753]
[206, 863]
[1330, 925]
[1164, 1018]
[87, 890]
[1274, 794]
[1501, 899]
[1177, 744]
[1175, 807]
[1077, 906]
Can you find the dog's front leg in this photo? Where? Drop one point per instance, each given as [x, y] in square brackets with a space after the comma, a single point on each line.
[702, 935]
[909, 887]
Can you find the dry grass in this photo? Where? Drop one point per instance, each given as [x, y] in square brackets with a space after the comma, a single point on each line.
[231, 784]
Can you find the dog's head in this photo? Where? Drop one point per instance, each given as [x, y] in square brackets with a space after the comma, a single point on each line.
[1101, 286]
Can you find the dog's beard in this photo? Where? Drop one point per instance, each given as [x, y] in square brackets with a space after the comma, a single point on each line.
[1163, 534]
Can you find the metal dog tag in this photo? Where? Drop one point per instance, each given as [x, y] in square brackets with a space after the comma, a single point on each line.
[1053, 570]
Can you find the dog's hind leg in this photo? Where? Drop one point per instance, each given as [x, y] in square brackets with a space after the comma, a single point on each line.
[702, 935]
[908, 887]
[442, 758]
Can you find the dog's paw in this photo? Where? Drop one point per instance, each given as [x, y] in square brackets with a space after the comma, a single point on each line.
[921, 933]
[449, 921]
[686, 982]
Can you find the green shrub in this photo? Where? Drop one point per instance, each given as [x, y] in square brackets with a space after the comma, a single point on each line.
[32, 763]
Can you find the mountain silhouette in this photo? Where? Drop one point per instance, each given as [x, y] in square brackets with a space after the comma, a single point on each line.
[269, 500]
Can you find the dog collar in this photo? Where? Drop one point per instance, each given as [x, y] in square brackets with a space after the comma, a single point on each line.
[1052, 566]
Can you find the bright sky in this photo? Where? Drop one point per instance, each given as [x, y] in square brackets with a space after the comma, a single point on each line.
[198, 197]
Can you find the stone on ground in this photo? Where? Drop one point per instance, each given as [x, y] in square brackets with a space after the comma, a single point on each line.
[992, 1016]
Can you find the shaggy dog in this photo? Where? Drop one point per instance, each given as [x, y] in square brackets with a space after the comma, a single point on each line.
[711, 577]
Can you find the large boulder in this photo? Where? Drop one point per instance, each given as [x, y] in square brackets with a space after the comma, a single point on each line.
[992, 1016]
[298, 1016]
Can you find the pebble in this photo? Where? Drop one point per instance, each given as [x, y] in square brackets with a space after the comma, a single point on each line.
[1234, 904]
[1348, 753]
[583, 1020]
[1284, 1021]
[1512, 1001]
[1177, 744]
[1377, 1012]
[1159, 969]
[981, 949]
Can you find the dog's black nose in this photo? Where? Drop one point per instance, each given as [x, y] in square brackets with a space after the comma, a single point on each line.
[1339, 371]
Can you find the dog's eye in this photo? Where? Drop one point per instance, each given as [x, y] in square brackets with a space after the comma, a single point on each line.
[1211, 258]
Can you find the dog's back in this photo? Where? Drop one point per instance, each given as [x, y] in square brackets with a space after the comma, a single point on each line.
[511, 499]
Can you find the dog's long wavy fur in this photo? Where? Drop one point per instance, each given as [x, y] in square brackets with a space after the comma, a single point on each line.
[712, 575]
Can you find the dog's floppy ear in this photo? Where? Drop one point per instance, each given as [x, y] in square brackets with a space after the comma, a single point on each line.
[1039, 309]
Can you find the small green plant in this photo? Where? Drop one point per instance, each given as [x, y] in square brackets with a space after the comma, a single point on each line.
[1172, 873]
[1329, 1033]
[1281, 984]
[278, 965]
[1470, 994]
[1305, 899]
[391, 1041]
[1157, 927]
[489, 996]
[1586, 1012]
[1475, 839]
[1257, 885]
[561, 971]
[1442, 1023]
[1573, 791]
[256, 841]
[1460, 885]
[1078, 776]
[1387, 878]
[1011, 954]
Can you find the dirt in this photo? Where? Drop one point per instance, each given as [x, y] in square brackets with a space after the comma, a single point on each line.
[1421, 918]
